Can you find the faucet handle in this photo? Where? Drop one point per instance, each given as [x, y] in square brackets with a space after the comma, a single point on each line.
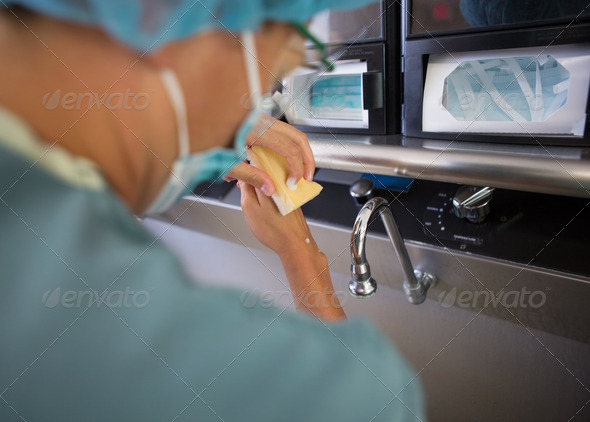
[472, 203]
[362, 190]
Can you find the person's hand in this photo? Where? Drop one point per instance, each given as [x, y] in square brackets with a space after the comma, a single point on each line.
[283, 139]
[285, 235]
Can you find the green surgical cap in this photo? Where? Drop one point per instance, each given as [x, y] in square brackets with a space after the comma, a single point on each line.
[148, 24]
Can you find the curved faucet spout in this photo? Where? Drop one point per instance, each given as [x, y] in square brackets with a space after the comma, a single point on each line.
[362, 284]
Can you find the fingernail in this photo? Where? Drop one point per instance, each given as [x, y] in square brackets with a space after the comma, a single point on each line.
[292, 183]
[309, 176]
[265, 190]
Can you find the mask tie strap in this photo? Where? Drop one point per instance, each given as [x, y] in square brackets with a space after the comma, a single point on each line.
[251, 60]
[174, 186]
[253, 78]
[174, 90]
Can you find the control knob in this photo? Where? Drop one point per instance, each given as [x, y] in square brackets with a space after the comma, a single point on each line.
[472, 203]
[362, 190]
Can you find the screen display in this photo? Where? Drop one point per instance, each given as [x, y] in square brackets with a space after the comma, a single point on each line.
[427, 16]
[338, 98]
[350, 26]
[327, 100]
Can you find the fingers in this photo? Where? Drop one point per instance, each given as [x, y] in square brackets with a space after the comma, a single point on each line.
[253, 176]
[257, 207]
[287, 141]
[300, 139]
[248, 196]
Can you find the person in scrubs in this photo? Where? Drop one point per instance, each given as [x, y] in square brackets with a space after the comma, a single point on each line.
[114, 109]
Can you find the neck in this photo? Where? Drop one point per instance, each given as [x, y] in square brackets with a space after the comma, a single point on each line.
[91, 97]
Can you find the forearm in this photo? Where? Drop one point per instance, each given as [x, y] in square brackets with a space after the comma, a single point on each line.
[311, 285]
[305, 265]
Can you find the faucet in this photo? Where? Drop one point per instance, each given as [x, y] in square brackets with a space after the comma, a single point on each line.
[362, 284]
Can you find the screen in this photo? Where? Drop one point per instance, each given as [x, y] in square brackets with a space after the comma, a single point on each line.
[426, 16]
[333, 100]
[350, 26]
[337, 97]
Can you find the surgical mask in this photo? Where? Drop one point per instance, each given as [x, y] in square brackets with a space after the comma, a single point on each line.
[189, 170]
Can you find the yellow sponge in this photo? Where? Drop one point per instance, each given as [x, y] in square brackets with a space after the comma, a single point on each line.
[276, 167]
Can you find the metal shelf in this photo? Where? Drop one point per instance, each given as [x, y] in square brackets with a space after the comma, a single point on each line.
[558, 170]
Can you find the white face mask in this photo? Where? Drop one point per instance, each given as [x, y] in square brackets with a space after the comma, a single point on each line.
[211, 165]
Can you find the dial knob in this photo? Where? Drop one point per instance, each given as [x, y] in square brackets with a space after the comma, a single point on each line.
[472, 203]
[362, 190]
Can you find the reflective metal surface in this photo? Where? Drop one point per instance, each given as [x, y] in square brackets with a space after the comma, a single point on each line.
[526, 172]
[472, 203]
[416, 282]
[362, 190]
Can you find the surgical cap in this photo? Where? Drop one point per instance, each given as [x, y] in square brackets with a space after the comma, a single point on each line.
[148, 24]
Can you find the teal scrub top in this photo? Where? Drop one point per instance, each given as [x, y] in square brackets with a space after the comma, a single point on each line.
[99, 321]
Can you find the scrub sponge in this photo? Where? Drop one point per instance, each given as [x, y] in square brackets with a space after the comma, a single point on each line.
[276, 167]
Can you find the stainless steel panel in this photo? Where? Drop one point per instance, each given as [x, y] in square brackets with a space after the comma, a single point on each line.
[545, 173]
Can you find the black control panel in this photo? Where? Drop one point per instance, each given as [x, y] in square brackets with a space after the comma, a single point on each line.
[537, 230]
[530, 229]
